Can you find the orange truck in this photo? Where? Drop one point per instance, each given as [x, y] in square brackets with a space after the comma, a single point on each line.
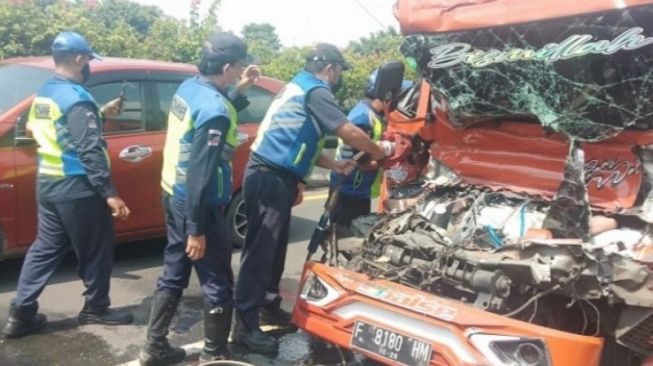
[518, 220]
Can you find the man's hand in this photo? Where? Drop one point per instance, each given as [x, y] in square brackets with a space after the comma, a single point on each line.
[344, 167]
[112, 108]
[118, 207]
[195, 247]
[372, 166]
[249, 77]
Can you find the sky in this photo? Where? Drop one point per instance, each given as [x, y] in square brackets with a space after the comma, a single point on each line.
[298, 22]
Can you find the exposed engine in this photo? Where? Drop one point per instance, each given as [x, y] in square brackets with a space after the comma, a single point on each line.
[550, 262]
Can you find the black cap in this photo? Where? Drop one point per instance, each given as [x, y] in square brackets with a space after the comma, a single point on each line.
[226, 47]
[328, 53]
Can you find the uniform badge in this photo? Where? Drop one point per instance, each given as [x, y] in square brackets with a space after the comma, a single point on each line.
[215, 136]
[42, 111]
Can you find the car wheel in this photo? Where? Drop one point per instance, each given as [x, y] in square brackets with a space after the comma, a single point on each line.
[237, 220]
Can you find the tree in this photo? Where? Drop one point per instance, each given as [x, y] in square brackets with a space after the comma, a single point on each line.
[123, 28]
[139, 17]
[262, 41]
[287, 63]
[380, 43]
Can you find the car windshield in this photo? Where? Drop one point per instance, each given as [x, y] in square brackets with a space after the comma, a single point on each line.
[18, 82]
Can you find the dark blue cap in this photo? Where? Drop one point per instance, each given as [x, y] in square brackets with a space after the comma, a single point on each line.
[227, 47]
[71, 42]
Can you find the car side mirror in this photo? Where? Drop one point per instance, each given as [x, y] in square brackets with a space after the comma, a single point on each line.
[22, 135]
[388, 80]
[24, 141]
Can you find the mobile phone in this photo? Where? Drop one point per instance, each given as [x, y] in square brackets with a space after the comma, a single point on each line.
[122, 92]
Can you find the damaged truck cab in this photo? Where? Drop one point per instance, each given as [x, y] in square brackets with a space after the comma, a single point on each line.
[518, 223]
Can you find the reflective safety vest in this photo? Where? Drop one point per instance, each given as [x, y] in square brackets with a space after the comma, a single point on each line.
[196, 103]
[289, 138]
[360, 184]
[48, 120]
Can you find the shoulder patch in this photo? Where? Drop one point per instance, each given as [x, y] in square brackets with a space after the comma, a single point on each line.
[214, 138]
[42, 110]
[91, 120]
[178, 107]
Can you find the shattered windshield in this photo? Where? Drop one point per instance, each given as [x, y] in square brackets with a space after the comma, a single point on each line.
[587, 76]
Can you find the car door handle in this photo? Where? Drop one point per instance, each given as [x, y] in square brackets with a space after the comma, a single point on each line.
[242, 137]
[135, 153]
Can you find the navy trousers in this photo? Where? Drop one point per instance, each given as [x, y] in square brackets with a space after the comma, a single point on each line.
[213, 270]
[87, 225]
[269, 197]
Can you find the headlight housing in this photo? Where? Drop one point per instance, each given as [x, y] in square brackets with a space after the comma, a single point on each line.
[316, 291]
[512, 351]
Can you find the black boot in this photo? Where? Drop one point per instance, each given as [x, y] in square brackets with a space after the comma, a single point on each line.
[23, 321]
[217, 325]
[273, 314]
[254, 339]
[104, 317]
[157, 350]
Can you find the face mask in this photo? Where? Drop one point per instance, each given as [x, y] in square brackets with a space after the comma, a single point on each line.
[86, 73]
[335, 87]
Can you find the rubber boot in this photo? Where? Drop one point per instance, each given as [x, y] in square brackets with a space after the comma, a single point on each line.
[217, 325]
[23, 321]
[272, 314]
[253, 338]
[157, 350]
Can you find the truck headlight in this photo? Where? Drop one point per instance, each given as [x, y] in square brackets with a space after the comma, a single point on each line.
[512, 351]
[317, 291]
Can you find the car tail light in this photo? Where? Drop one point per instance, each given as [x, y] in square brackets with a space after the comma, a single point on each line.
[316, 291]
[512, 351]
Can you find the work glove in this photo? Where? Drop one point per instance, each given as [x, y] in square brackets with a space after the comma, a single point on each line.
[388, 148]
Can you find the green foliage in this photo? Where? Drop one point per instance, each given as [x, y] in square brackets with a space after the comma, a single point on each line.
[122, 28]
[119, 28]
[287, 63]
[385, 42]
[262, 41]
[365, 55]
[139, 17]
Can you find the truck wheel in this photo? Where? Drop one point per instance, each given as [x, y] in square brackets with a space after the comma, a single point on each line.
[237, 220]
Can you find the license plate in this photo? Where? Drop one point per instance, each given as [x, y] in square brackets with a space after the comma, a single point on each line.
[395, 346]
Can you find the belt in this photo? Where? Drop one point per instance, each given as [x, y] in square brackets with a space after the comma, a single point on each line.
[288, 177]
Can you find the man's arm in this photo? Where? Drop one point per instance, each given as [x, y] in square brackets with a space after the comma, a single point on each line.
[344, 167]
[324, 108]
[85, 130]
[239, 101]
[208, 142]
[249, 77]
[86, 136]
[359, 140]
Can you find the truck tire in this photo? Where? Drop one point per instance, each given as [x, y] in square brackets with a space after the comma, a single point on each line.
[237, 220]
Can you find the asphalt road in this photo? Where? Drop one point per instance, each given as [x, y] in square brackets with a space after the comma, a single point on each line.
[136, 268]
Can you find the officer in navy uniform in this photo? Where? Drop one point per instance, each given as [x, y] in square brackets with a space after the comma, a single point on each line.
[359, 188]
[75, 194]
[196, 182]
[288, 145]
